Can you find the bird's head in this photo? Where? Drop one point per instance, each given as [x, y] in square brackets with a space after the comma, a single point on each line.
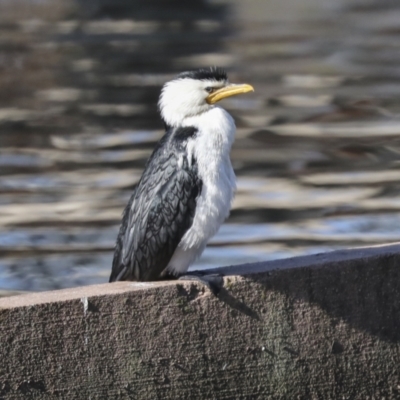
[195, 92]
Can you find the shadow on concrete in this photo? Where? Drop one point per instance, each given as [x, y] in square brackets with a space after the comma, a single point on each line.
[359, 286]
[236, 304]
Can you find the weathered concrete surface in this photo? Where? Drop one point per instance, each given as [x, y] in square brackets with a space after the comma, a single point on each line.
[318, 327]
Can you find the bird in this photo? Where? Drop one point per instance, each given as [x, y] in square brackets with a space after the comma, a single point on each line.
[188, 184]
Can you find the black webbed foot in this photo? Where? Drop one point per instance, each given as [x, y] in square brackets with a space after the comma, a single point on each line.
[213, 281]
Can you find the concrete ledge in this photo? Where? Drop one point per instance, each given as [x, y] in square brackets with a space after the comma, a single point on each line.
[317, 327]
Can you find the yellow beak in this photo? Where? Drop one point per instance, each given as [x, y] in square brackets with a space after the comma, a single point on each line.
[228, 91]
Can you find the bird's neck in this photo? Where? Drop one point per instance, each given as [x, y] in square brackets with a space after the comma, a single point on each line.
[215, 121]
[215, 135]
[175, 115]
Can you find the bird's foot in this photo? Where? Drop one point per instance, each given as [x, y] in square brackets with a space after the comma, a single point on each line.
[213, 281]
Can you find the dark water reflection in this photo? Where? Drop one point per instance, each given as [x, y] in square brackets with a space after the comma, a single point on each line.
[318, 145]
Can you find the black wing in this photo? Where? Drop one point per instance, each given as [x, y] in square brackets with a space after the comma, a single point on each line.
[159, 212]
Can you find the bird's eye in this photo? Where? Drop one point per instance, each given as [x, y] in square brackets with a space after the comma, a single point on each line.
[210, 89]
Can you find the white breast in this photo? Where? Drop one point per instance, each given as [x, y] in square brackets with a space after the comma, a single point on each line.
[211, 148]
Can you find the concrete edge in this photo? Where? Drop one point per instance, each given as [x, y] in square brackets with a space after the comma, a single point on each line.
[312, 261]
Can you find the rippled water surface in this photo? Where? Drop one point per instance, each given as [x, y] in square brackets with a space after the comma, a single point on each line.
[317, 153]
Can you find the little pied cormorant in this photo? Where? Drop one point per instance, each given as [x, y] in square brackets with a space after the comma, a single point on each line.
[187, 187]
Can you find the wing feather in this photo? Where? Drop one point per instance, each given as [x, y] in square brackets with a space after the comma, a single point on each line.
[158, 214]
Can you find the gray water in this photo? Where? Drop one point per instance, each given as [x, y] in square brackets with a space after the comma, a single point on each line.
[317, 153]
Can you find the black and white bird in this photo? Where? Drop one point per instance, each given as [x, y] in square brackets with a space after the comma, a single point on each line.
[187, 187]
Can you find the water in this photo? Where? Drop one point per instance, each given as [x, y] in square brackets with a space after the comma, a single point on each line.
[317, 153]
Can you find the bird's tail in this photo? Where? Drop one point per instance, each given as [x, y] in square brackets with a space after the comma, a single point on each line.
[119, 269]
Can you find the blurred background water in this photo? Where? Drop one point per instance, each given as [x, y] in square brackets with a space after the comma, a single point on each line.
[317, 153]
